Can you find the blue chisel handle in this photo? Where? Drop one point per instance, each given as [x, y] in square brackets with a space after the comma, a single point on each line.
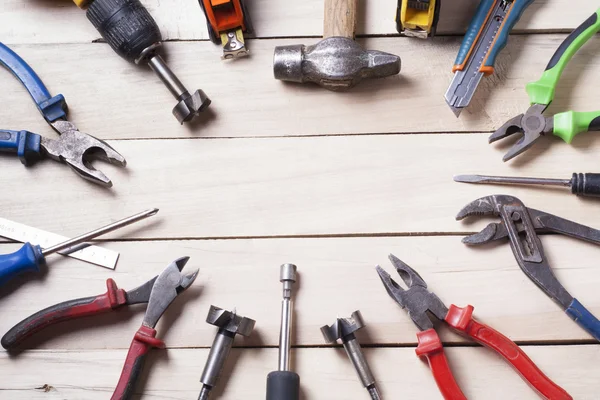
[27, 259]
[477, 26]
[52, 108]
[584, 318]
[25, 144]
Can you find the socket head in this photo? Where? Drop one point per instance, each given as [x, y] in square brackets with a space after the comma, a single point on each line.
[343, 327]
[287, 273]
[191, 105]
[230, 321]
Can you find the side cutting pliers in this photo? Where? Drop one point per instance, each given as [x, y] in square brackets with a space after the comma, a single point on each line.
[520, 225]
[418, 301]
[533, 124]
[73, 147]
[159, 292]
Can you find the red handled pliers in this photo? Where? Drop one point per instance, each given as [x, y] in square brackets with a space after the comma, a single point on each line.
[417, 300]
[159, 292]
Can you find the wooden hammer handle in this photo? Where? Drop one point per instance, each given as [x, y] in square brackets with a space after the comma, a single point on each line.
[340, 18]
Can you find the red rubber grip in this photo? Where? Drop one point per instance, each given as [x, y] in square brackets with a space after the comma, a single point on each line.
[143, 341]
[430, 346]
[72, 309]
[461, 320]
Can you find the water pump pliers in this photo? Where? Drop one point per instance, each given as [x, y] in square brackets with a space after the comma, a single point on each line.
[521, 226]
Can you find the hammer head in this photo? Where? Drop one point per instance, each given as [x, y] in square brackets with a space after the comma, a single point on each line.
[190, 105]
[230, 321]
[343, 327]
[336, 63]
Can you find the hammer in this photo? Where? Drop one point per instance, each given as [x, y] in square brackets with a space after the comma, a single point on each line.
[337, 62]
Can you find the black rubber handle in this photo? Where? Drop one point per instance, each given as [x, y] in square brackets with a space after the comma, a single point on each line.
[125, 25]
[587, 185]
[594, 125]
[283, 385]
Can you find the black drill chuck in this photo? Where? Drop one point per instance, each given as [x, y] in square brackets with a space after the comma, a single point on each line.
[126, 26]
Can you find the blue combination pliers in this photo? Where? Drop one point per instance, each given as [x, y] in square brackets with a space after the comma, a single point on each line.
[74, 148]
[521, 225]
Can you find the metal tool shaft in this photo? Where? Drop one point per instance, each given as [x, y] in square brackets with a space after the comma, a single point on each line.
[512, 180]
[98, 232]
[165, 74]
[288, 278]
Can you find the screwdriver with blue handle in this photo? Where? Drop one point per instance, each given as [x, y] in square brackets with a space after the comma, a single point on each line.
[486, 37]
[30, 257]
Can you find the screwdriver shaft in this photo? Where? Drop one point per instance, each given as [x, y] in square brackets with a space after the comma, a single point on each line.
[98, 232]
[512, 180]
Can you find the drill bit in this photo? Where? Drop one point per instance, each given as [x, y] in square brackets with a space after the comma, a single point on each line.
[587, 185]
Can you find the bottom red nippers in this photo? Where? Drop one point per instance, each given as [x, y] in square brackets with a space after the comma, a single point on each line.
[417, 300]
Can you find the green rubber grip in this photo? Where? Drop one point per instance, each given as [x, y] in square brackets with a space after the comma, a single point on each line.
[542, 91]
[570, 123]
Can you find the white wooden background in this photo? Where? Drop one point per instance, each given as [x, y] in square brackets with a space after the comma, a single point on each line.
[284, 173]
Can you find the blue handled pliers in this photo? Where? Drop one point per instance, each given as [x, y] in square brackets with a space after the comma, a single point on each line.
[74, 148]
[521, 225]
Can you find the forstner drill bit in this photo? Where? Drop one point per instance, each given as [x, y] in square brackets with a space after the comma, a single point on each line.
[344, 328]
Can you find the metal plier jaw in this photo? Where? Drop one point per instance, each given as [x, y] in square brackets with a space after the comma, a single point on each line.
[416, 299]
[78, 149]
[532, 125]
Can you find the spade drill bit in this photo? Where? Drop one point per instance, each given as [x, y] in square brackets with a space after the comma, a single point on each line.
[284, 384]
[229, 324]
[344, 328]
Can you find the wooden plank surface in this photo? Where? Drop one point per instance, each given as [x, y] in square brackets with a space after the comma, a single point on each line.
[58, 21]
[286, 173]
[112, 99]
[175, 374]
[336, 185]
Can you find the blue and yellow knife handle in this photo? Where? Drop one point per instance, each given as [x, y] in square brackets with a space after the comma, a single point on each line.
[483, 13]
[584, 318]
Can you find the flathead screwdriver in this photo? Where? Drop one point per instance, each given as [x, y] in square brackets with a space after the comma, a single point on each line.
[585, 185]
[29, 257]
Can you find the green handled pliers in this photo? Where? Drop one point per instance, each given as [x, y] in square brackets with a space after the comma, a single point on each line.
[533, 124]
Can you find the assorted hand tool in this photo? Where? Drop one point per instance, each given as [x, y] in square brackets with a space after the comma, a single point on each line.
[520, 225]
[84, 252]
[284, 384]
[486, 36]
[159, 292]
[229, 324]
[133, 34]
[417, 18]
[73, 147]
[585, 185]
[533, 124]
[227, 21]
[29, 258]
[418, 301]
[337, 62]
[344, 328]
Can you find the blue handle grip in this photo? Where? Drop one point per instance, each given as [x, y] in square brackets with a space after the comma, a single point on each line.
[584, 318]
[52, 108]
[24, 143]
[475, 27]
[512, 17]
[27, 259]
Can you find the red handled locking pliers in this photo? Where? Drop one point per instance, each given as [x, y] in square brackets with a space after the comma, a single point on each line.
[417, 300]
[159, 292]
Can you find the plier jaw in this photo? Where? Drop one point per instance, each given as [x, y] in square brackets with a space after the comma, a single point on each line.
[416, 299]
[532, 125]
